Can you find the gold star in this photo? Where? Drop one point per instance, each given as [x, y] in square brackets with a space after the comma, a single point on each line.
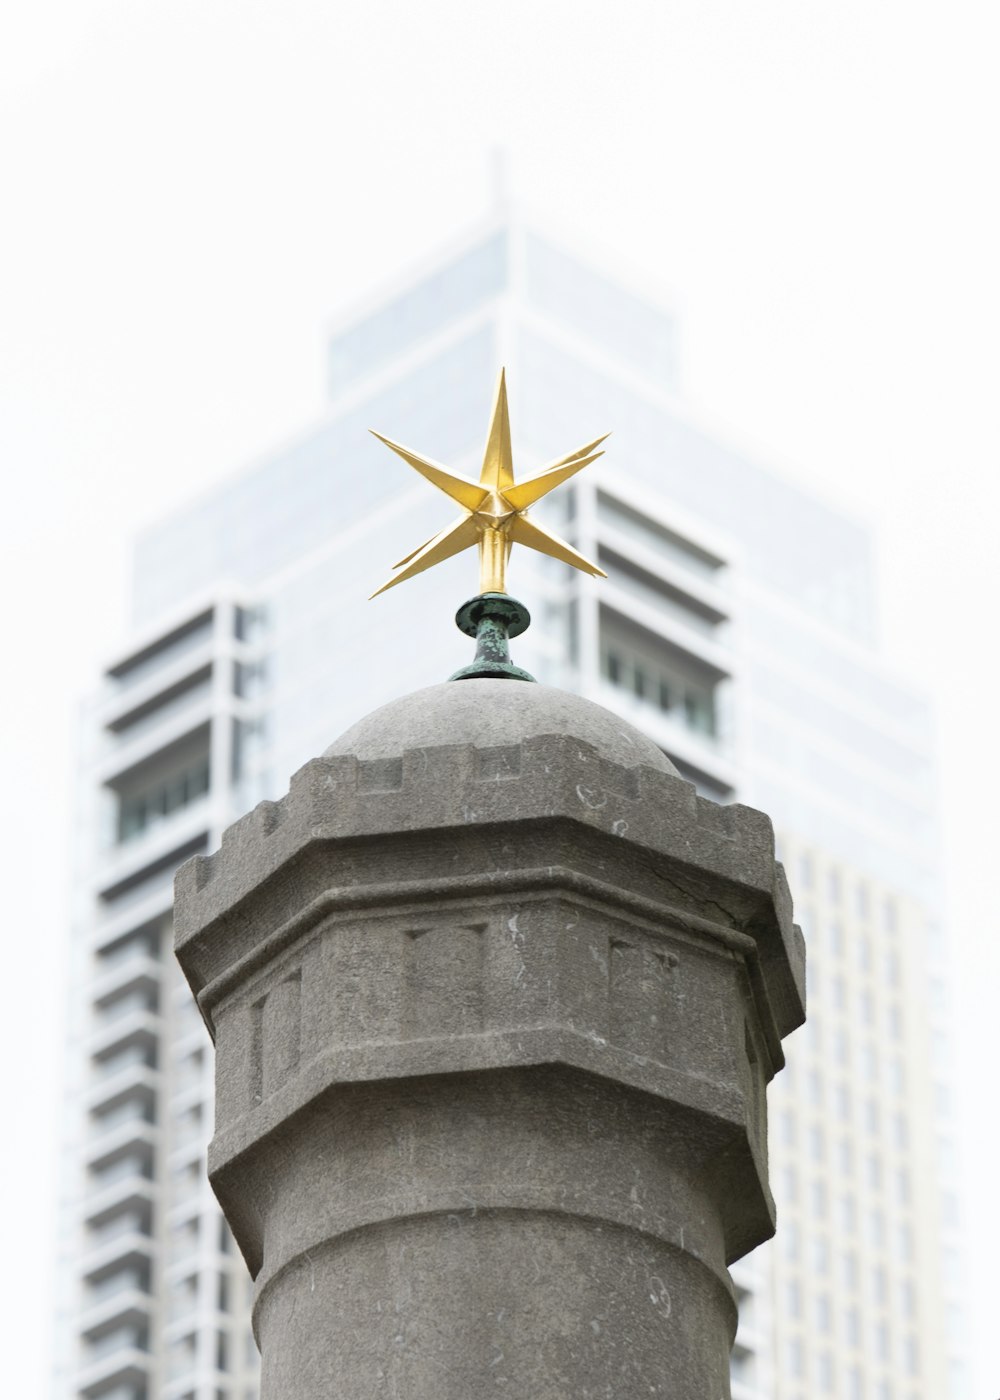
[494, 508]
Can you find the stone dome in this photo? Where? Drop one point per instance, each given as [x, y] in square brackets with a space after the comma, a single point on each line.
[495, 712]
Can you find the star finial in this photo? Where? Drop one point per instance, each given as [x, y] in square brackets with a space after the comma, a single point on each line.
[494, 508]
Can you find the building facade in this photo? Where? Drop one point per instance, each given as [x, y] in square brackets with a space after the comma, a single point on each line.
[736, 627]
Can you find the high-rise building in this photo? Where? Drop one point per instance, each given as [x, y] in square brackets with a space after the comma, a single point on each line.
[736, 627]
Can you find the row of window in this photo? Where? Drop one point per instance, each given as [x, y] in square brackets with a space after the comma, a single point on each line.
[857, 1388]
[841, 998]
[835, 892]
[846, 1157]
[848, 1215]
[138, 813]
[685, 700]
[840, 1048]
[820, 1266]
[816, 1089]
[828, 936]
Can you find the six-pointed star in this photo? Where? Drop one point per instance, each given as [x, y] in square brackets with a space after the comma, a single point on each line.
[495, 503]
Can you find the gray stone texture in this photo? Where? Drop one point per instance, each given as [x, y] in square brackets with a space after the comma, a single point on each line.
[495, 998]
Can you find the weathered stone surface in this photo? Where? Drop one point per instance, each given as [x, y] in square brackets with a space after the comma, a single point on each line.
[494, 1022]
[491, 713]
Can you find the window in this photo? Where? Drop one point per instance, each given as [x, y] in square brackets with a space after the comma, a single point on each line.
[699, 711]
[848, 1212]
[876, 1228]
[182, 1298]
[824, 1371]
[817, 1143]
[852, 1326]
[789, 1238]
[795, 1357]
[904, 1243]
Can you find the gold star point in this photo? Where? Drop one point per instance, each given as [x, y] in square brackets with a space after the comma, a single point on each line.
[494, 509]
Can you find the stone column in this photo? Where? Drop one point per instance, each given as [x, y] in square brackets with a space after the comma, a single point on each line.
[493, 1024]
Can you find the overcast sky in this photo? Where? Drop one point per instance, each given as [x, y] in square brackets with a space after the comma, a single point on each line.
[191, 189]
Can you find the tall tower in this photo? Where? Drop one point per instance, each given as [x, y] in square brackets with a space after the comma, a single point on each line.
[736, 629]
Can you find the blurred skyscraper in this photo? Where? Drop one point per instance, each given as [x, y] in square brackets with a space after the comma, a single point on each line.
[737, 627]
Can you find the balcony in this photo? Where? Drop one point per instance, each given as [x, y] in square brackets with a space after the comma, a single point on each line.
[162, 653]
[136, 1140]
[130, 1249]
[145, 904]
[700, 592]
[176, 729]
[138, 971]
[621, 608]
[124, 704]
[167, 708]
[160, 848]
[694, 750]
[129, 1366]
[128, 1307]
[135, 1193]
[137, 1081]
[140, 1027]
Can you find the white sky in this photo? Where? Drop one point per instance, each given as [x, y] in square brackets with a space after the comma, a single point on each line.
[189, 189]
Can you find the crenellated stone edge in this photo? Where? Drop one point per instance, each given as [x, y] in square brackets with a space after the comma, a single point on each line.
[344, 799]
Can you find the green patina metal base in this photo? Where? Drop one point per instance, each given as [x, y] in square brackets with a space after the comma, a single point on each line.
[492, 618]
